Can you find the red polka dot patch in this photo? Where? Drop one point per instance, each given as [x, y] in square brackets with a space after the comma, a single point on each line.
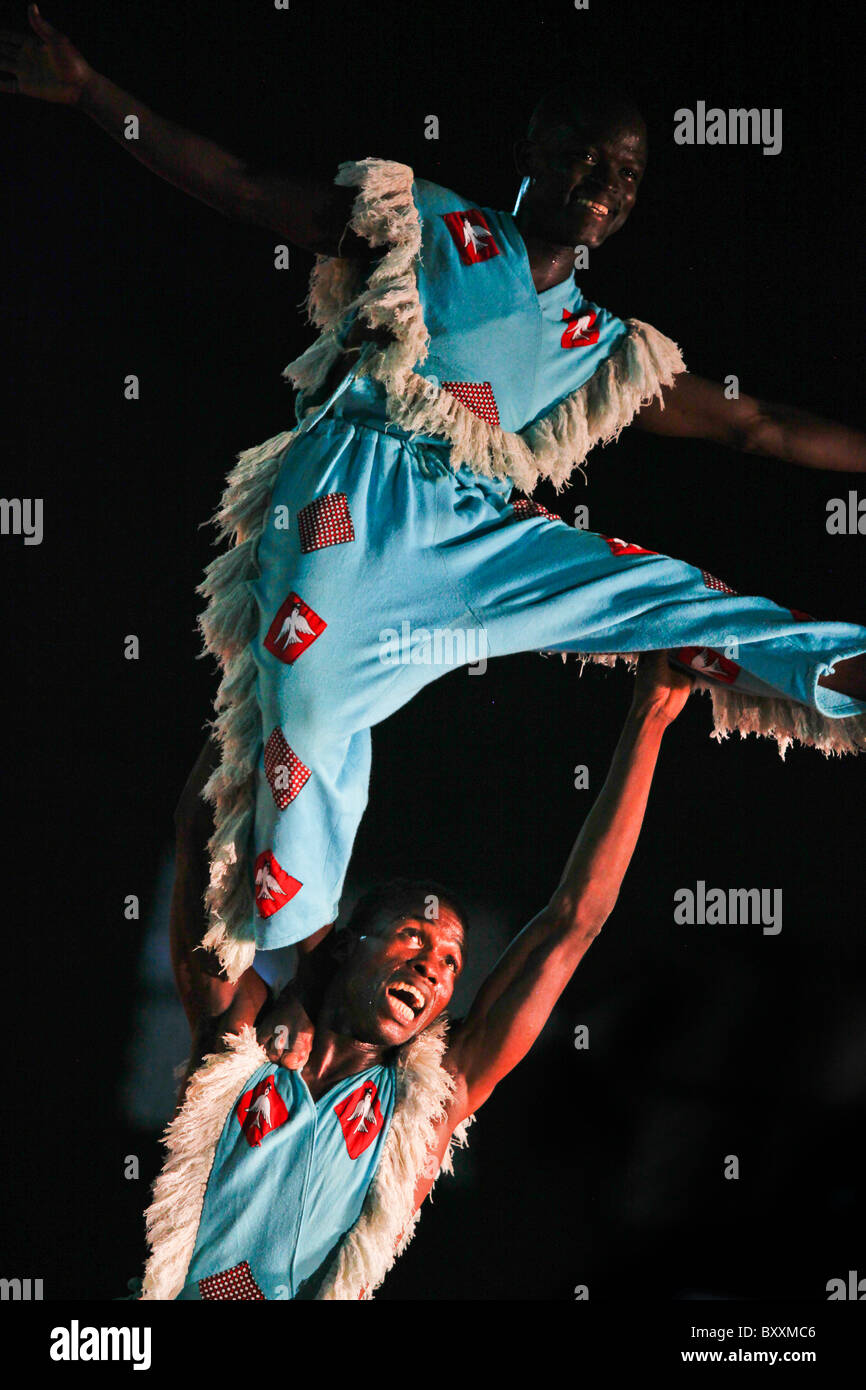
[284, 770]
[525, 507]
[477, 396]
[713, 583]
[327, 521]
[274, 887]
[233, 1284]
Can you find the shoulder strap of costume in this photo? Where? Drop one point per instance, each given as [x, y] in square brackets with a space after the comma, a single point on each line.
[388, 1218]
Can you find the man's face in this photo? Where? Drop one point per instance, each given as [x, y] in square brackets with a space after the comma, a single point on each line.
[398, 978]
[587, 174]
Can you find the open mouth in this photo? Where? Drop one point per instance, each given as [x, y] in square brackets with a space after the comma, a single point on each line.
[597, 209]
[406, 1001]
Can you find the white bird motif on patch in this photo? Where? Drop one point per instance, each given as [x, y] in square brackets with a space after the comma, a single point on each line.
[578, 326]
[364, 1111]
[260, 1113]
[473, 233]
[705, 660]
[294, 628]
[266, 883]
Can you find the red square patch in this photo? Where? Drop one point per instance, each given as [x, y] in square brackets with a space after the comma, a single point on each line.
[360, 1118]
[581, 329]
[274, 887]
[525, 507]
[799, 616]
[713, 583]
[327, 521]
[472, 235]
[260, 1111]
[704, 661]
[477, 396]
[284, 770]
[294, 628]
[234, 1284]
[618, 547]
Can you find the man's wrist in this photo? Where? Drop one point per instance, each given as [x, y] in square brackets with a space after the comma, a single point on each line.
[90, 91]
[649, 714]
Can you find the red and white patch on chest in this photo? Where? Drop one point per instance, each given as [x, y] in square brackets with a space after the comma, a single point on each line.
[360, 1117]
[274, 887]
[284, 770]
[235, 1284]
[477, 396]
[326, 521]
[260, 1111]
[620, 547]
[581, 328]
[704, 661]
[294, 629]
[472, 235]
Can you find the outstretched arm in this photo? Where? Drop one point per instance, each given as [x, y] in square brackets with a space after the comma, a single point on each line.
[515, 1002]
[694, 408]
[311, 213]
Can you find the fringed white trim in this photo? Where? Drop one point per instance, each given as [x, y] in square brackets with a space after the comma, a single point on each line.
[388, 1218]
[786, 721]
[387, 1221]
[172, 1219]
[385, 214]
[228, 626]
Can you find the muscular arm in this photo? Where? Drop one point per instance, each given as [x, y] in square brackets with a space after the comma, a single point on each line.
[515, 1002]
[311, 212]
[694, 408]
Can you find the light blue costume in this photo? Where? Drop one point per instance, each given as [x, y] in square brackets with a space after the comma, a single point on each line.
[288, 1181]
[382, 561]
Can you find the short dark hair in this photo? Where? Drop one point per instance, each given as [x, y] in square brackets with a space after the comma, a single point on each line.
[399, 898]
[559, 103]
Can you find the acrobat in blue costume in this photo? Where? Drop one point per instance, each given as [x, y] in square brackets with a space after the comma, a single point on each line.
[387, 516]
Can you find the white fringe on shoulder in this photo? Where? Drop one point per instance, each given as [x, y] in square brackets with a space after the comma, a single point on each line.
[178, 1194]
[388, 1219]
[786, 721]
[385, 214]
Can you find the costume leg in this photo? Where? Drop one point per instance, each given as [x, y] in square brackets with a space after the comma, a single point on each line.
[539, 584]
[345, 561]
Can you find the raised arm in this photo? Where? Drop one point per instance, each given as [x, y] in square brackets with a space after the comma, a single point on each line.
[516, 1000]
[311, 213]
[694, 408]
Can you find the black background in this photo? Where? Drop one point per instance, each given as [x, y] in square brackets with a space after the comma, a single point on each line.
[601, 1167]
